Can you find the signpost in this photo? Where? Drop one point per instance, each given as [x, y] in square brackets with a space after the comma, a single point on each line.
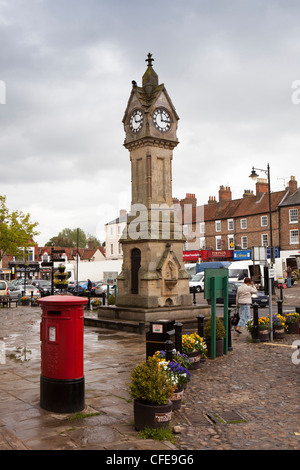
[216, 285]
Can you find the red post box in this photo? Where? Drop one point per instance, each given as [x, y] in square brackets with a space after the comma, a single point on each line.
[62, 376]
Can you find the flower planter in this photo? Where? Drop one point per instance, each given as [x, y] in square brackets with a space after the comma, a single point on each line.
[61, 277]
[177, 397]
[25, 302]
[152, 416]
[219, 347]
[264, 334]
[292, 328]
[278, 333]
[195, 358]
[61, 269]
[60, 285]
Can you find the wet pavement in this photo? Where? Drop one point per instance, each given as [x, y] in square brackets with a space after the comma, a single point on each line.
[245, 400]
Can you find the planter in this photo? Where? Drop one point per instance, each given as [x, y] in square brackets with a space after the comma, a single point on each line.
[61, 269]
[292, 328]
[60, 285]
[177, 397]
[219, 347]
[264, 334]
[195, 358]
[61, 277]
[152, 416]
[278, 333]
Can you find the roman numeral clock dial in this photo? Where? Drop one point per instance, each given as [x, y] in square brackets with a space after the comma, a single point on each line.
[161, 120]
[136, 121]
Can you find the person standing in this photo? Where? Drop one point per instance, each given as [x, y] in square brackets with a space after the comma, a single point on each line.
[289, 273]
[244, 301]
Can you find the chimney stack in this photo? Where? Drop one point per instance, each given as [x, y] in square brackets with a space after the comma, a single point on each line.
[212, 200]
[293, 185]
[261, 186]
[224, 194]
[189, 199]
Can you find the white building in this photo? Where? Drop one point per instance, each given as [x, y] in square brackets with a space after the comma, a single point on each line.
[113, 232]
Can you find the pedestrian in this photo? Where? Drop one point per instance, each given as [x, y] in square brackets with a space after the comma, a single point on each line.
[243, 301]
[89, 284]
[289, 273]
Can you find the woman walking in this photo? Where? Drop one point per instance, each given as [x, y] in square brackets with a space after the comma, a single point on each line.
[244, 300]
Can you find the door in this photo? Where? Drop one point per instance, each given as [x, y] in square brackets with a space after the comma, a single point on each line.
[135, 266]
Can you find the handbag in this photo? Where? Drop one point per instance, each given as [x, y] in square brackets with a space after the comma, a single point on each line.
[236, 317]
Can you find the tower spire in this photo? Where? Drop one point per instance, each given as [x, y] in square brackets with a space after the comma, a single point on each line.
[149, 59]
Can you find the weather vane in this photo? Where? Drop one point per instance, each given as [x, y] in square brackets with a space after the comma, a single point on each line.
[149, 60]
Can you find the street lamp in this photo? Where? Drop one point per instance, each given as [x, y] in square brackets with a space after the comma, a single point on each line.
[254, 176]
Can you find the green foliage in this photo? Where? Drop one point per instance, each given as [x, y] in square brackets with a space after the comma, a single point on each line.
[151, 383]
[158, 434]
[220, 329]
[68, 238]
[111, 300]
[16, 231]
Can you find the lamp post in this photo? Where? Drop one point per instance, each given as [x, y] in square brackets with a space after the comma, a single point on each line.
[254, 176]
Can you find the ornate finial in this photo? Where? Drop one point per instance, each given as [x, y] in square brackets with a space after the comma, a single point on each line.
[149, 60]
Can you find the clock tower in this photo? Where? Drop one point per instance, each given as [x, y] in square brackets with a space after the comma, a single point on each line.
[153, 275]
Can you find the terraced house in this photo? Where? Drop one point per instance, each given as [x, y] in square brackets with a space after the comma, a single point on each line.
[216, 229]
[242, 223]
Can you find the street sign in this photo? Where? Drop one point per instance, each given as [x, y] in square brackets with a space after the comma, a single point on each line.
[242, 255]
[271, 273]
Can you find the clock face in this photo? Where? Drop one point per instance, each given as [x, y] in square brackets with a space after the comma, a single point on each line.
[136, 121]
[161, 120]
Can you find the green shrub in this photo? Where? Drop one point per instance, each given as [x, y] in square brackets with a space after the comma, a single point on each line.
[151, 383]
[220, 329]
[111, 300]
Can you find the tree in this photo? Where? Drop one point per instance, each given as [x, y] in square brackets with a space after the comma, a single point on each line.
[16, 231]
[68, 238]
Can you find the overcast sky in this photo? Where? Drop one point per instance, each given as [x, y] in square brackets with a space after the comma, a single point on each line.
[66, 68]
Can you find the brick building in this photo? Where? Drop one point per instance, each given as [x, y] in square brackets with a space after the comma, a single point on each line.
[223, 225]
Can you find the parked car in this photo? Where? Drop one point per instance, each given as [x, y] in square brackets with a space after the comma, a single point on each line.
[29, 288]
[43, 286]
[260, 298]
[15, 291]
[100, 288]
[197, 283]
[81, 289]
[7, 289]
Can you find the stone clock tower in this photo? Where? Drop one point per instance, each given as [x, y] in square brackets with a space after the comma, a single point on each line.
[153, 274]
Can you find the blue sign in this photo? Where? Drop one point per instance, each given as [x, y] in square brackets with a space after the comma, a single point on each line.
[242, 255]
[276, 252]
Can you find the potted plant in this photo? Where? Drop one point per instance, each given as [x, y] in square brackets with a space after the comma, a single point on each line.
[278, 322]
[220, 335]
[292, 323]
[151, 388]
[179, 374]
[195, 348]
[25, 300]
[96, 303]
[263, 328]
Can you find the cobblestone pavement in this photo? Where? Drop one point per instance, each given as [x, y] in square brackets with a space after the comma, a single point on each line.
[259, 382]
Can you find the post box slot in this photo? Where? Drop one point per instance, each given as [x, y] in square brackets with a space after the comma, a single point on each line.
[53, 312]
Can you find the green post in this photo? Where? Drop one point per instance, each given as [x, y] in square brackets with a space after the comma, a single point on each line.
[225, 285]
[115, 287]
[213, 317]
[108, 291]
